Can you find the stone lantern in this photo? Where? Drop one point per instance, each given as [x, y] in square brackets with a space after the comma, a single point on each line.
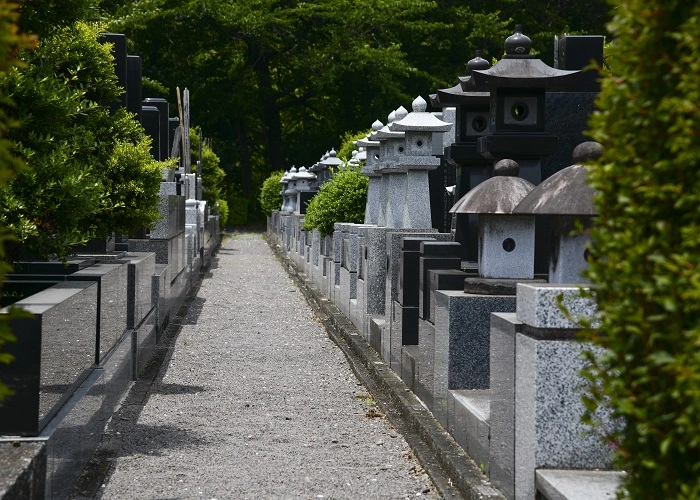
[371, 154]
[284, 183]
[517, 85]
[291, 191]
[417, 159]
[567, 197]
[392, 196]
[305, 190]
[471, 168]
[506, 241]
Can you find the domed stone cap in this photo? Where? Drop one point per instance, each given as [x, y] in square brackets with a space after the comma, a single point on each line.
[293, 174]
[376, 127]
[566, 192]
[420, 120]
[517, 44]
[589, 150]
[332, 160]
[478, 63]
[498, 195]
[386, 132]
[305, 174]
[285, 178]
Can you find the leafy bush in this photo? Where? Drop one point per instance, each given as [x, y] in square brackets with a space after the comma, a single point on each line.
[646, 246]
[213, 176]
[223, 213]
[341, 199]
[238, 209]
[11, 40]
[91, 172]
[347, 144]
[270, 197]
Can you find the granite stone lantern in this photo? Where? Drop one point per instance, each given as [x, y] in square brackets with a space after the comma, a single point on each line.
[416, 160]
[506, 241]
[568, 199]
[327, 166]
[371, 154]
[517, 84]
[292, 190]
[391, 145]
[305, 189]
[284, 182]
[471, 168]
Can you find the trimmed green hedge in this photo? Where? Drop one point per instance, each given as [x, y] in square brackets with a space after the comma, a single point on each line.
[341, 199]
[270, 197]
[645, 263]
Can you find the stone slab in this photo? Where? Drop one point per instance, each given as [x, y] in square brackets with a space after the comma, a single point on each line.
[504, 326]
[538, 305]
[56, 348]
[22, 470]
[555, 484]
[548, 409]
[470, 423]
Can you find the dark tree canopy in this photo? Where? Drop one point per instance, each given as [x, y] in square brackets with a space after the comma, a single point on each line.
[278, 82]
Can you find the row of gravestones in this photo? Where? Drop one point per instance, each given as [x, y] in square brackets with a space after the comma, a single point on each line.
[95, 321]
[469, 318]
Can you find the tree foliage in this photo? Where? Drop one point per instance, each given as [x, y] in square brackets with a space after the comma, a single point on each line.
[341, 199]
[91, 171]
[213, 176]
[646, 246]
[275, 83]
[12, 40]
[270, 197]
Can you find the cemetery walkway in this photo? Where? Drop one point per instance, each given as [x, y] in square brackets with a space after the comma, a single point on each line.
[252, 400]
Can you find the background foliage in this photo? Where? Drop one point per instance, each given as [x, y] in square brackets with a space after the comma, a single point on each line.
[11, 41]
[277, 83]
[341, 199]
[270, 197]
[646, 246]
[91, 171]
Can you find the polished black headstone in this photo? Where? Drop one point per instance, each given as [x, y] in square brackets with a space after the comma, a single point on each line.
[150, 119]
[409, 278]
[133, 85]
[164, 109]
[118, 42]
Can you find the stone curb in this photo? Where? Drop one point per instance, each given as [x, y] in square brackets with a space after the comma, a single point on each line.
[453, 472]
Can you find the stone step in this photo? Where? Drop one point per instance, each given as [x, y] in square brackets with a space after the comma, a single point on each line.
[557, 484]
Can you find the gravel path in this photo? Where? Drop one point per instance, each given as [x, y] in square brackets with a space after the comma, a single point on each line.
[257, 402]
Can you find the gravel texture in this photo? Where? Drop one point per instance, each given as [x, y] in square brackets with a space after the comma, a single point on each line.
[257, 402]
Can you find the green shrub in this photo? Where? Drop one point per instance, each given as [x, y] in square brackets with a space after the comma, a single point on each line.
[11, 40]
[341, 199]
[213, 176]
[645, 264]
[91, 171]
[347, 144]
[238, 209]
[223, 213]
[270, 197]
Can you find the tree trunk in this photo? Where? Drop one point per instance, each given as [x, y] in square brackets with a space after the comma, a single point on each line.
[244, 152]
[270, 113]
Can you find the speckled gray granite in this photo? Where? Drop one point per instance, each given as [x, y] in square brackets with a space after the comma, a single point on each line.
[537, 305]
[578, 484]
[257, 402]
[548, 409]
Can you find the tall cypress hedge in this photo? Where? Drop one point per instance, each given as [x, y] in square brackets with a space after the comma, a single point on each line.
[645, 262]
